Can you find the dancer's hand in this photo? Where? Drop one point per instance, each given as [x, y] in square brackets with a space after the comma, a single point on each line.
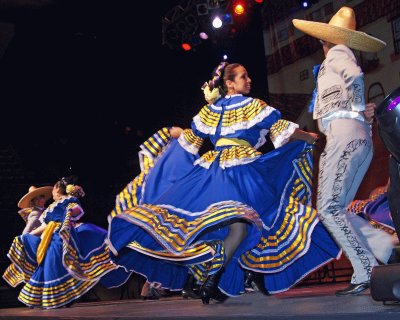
[309, 137]
[175, 132]
[312, 137]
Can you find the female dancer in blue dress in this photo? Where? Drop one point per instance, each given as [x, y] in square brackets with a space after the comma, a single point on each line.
[230, 210]
[60, 261]
[375, 209]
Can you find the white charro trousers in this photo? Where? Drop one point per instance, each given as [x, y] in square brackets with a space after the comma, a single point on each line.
[343, 164]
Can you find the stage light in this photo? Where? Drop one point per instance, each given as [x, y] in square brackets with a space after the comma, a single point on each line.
[186, 46]
[203, 35]
[239, 9]
[217, 22]
[228, 18]
[393, 104]
[388, 118]
[259, 1]
[225, 57]
[305, 4]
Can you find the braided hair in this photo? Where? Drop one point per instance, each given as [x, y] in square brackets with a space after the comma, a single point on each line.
[212, 89]
[216, 87]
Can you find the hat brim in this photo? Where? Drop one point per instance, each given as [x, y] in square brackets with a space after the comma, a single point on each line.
[26, 199]
[356, 40]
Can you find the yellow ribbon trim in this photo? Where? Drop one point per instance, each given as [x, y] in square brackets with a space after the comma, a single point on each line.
[46, 237]
[232, 142]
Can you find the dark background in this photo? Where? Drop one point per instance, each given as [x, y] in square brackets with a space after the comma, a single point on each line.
[83, 83]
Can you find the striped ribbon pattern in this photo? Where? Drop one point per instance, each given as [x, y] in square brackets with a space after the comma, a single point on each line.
[296, 222]
[132, 193]
[21, 267]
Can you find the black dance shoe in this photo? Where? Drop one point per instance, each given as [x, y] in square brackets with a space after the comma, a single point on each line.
[209, 289]
[353, 289]
[255, 280]
[248, 281]
[190, 290]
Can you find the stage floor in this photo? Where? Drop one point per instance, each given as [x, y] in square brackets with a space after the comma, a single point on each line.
[312, 302]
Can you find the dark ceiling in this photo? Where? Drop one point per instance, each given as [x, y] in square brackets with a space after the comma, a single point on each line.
[84, 82]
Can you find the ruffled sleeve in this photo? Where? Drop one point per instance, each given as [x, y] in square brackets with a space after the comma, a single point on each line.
[281, 131]
[271, 122]
[153, 147]
[191, 140]
[206, 121]
[74, 210]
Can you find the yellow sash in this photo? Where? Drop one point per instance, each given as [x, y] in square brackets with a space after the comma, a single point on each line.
[45, 240]
[232, 142]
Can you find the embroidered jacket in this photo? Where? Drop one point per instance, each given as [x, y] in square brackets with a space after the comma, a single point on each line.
[340, 87]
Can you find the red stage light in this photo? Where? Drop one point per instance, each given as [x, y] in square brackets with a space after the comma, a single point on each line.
[238, 9]
[259, 1]
[186, 46]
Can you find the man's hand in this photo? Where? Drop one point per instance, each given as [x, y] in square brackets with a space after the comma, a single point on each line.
[369, 112]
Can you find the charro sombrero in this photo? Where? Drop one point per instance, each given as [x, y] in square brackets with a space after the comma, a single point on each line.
[33, 193]
[341, 29]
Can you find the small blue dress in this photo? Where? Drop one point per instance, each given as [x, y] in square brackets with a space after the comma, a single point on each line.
[65, 262]
[375, 209]
[175, 215]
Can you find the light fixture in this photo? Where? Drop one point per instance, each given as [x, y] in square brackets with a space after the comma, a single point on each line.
[217, 22]
[203, 35]
[186, 46]
[228, 18]
[238, 9]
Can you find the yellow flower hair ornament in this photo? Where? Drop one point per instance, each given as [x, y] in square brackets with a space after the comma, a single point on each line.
[211, 95]
[70, 188]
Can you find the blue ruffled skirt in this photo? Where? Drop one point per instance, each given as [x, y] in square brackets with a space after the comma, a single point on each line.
[186, 209]
[73, 263]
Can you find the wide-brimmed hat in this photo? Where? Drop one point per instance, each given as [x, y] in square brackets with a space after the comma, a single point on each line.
[33, 193]
[341, 29]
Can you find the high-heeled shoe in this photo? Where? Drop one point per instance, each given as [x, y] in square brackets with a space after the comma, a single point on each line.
[248, 281]
[255, 279]
[189, 290]
[209, 289]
